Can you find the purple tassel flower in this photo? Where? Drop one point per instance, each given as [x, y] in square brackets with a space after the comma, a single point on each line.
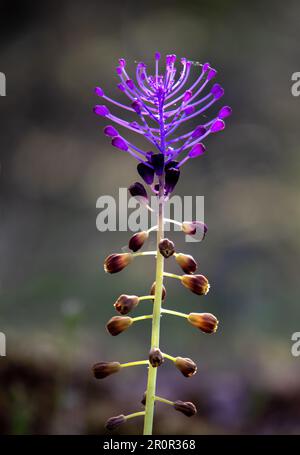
[163, 102]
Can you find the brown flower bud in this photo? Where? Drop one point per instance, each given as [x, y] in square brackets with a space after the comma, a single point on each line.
[138, 191]
[143, 400]
[198, 284]
[103, 369]
[118, 324]
[156, 357]
[137, 240]
[163, 292]
[166, 247]
[206, 322]
[191, 227]
[186, 262]
[115, 422]
[116, 262]
[125, 303]
[187, 367]
[186, 407]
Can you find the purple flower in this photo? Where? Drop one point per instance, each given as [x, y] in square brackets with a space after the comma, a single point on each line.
[163, 102]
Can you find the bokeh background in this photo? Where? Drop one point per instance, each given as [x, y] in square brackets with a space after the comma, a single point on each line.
[54, 295]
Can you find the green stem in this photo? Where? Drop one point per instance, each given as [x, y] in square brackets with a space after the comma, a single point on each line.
[164, 400]
[145, 253]
[133, 364]
[159, 276]
[141, 318]
[172, 275]
[170, 357]
[175, 313]
[146, 297]
[135, 414]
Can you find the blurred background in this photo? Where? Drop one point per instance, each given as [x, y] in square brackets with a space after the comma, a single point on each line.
[54, 295]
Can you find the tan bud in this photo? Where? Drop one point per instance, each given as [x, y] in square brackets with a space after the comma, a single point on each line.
[187, 367]
[118, 324]
[115, 422]
[191, 227]
[156, 357]
[166, 247]
[116, 262]
[103, 369]
[163, 292]
[198, 284]
[206, 322]
[186, 262]
[186, 407]
[125, 303]
[137, 240]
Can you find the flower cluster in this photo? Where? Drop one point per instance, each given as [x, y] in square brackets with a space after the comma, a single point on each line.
[164, 105]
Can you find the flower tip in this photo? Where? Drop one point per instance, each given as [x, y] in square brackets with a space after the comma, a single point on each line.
[197, 150]
[103, 369]
[211, 74]
[157, 55]
[206, 322]
[137, 240]
[187, 96]
[166, 248]
[115, 422]
[125, 303]
[116, 262]
[187, 366]
[136, 105]
[156, 357]
[198, 132]
[218, 125]
[110, 131]
[101, 110]
[205, 67]
[217, 91]
[119, 143]
[186, 407]
[122, 62]
[198, 284]
[99, 91]
[130, 84]
[117, 324]
[224, 112]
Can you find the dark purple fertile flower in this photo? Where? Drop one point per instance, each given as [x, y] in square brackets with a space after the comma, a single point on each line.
[163, 102]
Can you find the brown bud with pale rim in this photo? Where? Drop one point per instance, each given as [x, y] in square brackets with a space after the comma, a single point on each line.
[186, 407]
[115, 422]
[137, 240]
[156, 357]
[166, 247]
[118, 324]
[191, 227]
[116, 262]
[103, 369]
[186, 262]
[163, 292]
[187, 367]
[206, 322]
[198, 284]
[125, 303]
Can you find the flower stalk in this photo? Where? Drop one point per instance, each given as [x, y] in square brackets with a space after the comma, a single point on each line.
[159, 114]
[159, 275]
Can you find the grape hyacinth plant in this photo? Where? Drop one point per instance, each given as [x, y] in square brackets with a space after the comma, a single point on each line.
[164, 105]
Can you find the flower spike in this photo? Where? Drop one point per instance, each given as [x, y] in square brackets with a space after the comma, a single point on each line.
[162, 102]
